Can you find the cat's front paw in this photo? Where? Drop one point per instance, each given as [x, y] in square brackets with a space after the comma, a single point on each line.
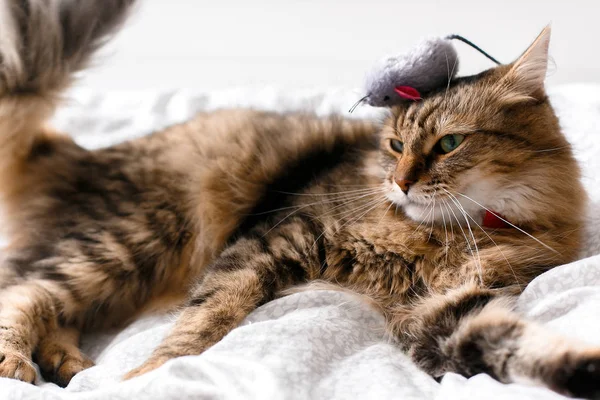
[150, 365]
[15, 365]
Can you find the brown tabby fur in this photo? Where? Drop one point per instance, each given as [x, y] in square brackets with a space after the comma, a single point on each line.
[236, 207]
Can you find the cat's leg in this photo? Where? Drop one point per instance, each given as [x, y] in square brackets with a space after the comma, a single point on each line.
[59, 357]
[216, 307]
[78, 282]
[472, 330]
[28, 312]
[246, 275]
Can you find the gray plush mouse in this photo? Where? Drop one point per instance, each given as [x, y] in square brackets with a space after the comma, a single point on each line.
[431, 64]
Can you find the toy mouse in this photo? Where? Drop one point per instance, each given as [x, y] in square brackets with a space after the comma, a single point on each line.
[428, 66]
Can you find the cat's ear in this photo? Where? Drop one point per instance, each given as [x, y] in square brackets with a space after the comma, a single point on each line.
[527, 74]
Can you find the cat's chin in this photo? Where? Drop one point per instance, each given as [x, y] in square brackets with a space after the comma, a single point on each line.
[417, 212]
[413, 208]
[442, 212]
[438, 215]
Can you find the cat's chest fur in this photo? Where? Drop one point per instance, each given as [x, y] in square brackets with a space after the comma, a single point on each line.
[390, 259]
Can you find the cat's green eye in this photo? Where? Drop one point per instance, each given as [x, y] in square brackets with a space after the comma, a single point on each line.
[449, 143]
[396, 145]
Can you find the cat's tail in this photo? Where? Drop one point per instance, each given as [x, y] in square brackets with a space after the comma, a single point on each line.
[43, 44]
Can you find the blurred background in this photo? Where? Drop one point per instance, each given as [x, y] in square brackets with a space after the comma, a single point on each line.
[210, 45]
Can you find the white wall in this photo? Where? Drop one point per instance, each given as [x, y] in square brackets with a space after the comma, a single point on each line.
[211, 44]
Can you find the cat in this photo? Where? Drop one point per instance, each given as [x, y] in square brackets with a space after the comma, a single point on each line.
[438, 216]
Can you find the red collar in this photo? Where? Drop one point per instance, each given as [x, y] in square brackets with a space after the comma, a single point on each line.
[494, 220]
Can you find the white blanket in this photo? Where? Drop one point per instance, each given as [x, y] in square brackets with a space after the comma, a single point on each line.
[313, 344]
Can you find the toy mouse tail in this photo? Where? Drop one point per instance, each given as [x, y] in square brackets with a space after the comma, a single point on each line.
[473, 45]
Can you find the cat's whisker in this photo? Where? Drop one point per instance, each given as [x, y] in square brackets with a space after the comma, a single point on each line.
[432, 216]
[468, 242]
[329, 214]
[553, 149]
[429, 207]
[345, 213]
[420, 217]
[450, 75]
[446, 243]
[336, 185]
[355, 219]
[509, 223]
[377, 202]
[448, 68]
[351, 198]
[355, 194]
[300, 208]
[445, 204]
[427, 217]
[495, 244]
[449, 219]
[362, 215]
[347, 199]
[384, 214]
[365, 189]
[462, 210]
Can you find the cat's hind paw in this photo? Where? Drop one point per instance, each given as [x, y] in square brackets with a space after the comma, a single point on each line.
[59, 362]
[16, 366]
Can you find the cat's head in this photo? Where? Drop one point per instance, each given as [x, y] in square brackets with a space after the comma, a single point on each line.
[490, 141]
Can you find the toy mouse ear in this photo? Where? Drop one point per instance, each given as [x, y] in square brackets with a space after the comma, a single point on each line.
[408, 92]
[528, 72]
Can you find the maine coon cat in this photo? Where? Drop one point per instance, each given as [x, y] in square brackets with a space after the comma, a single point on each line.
[438, 216]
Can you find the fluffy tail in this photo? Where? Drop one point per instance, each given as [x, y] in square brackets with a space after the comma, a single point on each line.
[43, 43]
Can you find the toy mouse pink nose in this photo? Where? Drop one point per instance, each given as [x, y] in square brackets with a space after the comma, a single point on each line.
[404, 184]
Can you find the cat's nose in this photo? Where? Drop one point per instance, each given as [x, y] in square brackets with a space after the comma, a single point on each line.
[404, 184]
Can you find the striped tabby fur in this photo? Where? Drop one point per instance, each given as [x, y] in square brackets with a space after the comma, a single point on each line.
[233, 208]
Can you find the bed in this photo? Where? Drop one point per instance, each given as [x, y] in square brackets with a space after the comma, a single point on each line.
[313, 344]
